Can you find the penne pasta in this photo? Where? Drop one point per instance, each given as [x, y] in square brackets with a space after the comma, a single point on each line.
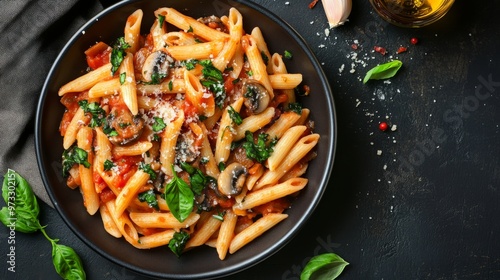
[166, 156]
[255, 230]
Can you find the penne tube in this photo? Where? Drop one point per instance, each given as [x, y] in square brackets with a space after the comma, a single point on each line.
[255, 230]
[278, 67]
[90, 197]
[172, 86]
[176, 38]
[282, 124]
[285, 81]
[300, 149]
[196, 95]
[190, 24]
[136, 149]
[168, 143]
[284, 145]
[87, 81]
[77, 121]
[155, 240]
[226, 233]
[270, 193]
[124, 224]
[254, 57]
[127, 89]
[204, 233]
[262, 46]
[132, 30]
[198, 51]
[105, 88]
[130, 190]
[162, 220]
[254, 123]
[108, 222]
[225, 134]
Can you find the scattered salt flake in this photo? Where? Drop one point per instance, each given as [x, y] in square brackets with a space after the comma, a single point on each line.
[287, 3]
[327, 32]
[341, 68]
[379, 152]
[394, 127]
[83, 32]
[321, 46]
[385, 167]
[358, 103]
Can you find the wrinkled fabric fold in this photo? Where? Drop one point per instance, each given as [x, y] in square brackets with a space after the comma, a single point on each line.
[33, 33]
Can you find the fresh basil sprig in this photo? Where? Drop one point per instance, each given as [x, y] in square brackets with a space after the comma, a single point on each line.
[214, 81]
[21, 214]
[259, 151]
[149, 197]
[324, 266]
[71, 156]
[383, 71]
[179, 197]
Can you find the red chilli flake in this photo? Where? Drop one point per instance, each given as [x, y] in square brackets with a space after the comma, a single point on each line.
[401, 50]
[380, 50]
[414, 40]
[383, 126]
[313, 3]
[354, 46]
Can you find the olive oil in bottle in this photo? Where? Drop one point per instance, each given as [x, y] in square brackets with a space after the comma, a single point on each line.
[412, 13]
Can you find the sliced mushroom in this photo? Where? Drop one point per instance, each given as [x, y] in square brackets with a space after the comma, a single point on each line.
[156, 67]
[257, 98]
[232, 179]
[187, 148]
[127, 126]
[214, 22]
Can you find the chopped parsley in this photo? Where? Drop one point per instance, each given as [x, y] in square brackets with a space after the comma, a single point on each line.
[287, 54]
[295, 107]
[72, 156]
[235, 116]
[190, 64]
[259, 151]
[197, 179]
[190, 29]
[264, 57]
[214, 81]
[150, 198]
[147, 169]
[161, 20]
[118, 53]
[159, 124]
[123, 77]
[98, 114]
[170, 85]
[108, 164]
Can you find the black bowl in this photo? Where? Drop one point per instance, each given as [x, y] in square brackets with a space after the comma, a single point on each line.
[201, 263]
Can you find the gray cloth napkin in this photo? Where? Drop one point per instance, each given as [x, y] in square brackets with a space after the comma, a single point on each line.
[31, 35]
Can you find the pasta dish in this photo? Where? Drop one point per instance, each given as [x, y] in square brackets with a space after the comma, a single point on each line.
[188, 135]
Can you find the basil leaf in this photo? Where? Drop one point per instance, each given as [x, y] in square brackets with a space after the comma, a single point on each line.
[96, 112]
[161, 20]
[179, 197]
[325, 266]
[178, 242]
[287, 54]
[383, 71]
[66, 262]
[22, 206]
[150, 198]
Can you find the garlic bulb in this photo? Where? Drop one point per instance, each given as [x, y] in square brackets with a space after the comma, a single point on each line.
[337, 11]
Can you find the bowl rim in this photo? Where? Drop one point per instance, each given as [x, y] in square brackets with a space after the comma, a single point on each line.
[255, 259]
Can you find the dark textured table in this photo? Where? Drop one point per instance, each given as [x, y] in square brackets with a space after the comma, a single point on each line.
[420, 202]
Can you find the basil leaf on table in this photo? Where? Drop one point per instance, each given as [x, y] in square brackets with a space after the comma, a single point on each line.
[21, 214]
[21, 204]
[66, 262]
[383, 71]
[326, 266]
